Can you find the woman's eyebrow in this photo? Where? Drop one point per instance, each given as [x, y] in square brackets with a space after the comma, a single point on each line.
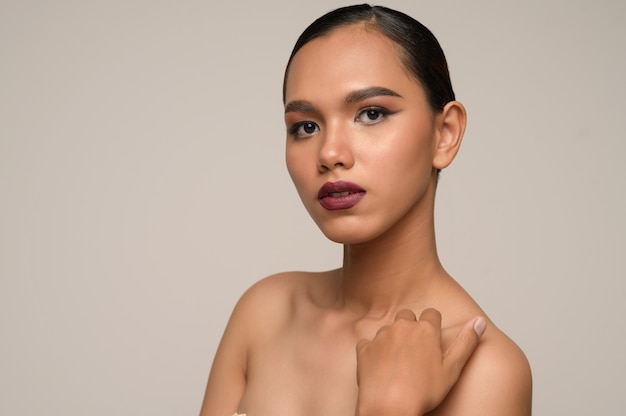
[365, 93]
[300, 106]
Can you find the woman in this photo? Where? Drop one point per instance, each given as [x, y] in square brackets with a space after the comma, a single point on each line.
[371, 120]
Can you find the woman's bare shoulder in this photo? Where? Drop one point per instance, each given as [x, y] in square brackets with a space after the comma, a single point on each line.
[261, 312]
[273, 300]
[278, 290]
[497, 380]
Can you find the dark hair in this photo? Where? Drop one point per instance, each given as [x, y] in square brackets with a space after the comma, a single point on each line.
[421, 53]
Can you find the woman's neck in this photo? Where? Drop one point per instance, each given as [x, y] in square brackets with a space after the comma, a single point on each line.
[393, 271]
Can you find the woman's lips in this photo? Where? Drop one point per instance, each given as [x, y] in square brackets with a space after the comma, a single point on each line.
[340, 195]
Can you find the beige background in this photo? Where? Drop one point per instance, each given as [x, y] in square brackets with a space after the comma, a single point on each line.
[142, 189]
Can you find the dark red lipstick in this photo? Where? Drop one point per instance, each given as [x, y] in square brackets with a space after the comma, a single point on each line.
[340, 195]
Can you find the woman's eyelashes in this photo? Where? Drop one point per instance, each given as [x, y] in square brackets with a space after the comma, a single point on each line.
[304, 129]
[367, 116]
[372, 115]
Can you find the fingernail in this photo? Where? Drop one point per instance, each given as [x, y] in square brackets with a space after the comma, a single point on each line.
[479, 326]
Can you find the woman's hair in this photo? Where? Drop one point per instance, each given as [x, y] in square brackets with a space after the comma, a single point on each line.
[420, 51]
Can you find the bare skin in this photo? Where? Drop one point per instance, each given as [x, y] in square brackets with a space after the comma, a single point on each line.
[311, 343]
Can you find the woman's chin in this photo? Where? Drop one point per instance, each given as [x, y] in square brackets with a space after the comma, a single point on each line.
[348, 236]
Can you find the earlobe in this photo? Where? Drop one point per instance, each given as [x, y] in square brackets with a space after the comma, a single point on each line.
[450, 129]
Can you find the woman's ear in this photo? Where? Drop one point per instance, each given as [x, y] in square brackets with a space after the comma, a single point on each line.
[450, 124]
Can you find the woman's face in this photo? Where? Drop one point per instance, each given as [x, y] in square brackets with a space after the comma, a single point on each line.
[361, 137]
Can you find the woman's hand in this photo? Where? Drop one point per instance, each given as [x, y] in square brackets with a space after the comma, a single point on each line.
[403, 370]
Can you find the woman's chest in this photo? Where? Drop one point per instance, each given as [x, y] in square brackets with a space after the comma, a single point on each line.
[307, 373]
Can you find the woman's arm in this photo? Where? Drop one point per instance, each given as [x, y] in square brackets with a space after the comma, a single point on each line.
[227, 378]
[263, 308]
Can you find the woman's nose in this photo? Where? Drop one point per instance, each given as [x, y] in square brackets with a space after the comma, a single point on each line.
[335, 150]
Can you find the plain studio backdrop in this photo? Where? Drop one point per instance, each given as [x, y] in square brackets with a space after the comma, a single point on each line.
[143, 189]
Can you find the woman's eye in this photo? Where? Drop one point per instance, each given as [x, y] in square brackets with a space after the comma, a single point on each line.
[304, 129]
[371, 115]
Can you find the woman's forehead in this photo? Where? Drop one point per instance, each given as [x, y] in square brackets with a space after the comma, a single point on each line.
[355, 54]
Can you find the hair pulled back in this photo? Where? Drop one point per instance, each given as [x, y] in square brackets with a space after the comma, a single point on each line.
[420, 51]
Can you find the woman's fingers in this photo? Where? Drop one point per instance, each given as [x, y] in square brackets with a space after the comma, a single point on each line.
[406, 314]
[464, 345]
[433, 316]
[406, 359]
